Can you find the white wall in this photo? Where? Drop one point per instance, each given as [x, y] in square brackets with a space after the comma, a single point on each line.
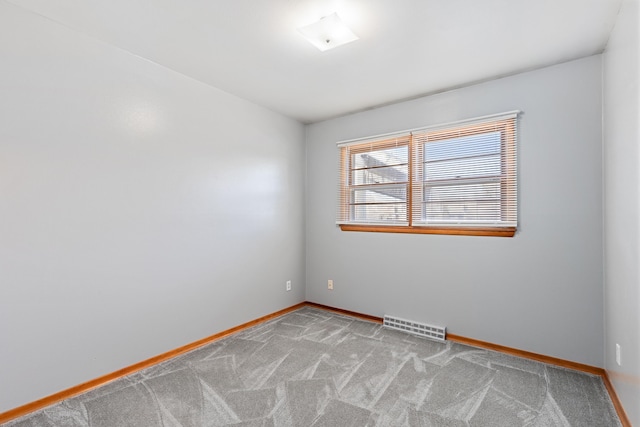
[621, 67]
[540, 290]
[140, 210]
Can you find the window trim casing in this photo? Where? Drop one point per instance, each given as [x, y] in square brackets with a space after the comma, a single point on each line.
[452, 230]
[507, 149]
[345, 188]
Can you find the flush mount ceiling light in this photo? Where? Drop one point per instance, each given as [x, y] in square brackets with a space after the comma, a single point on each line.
[328, 32]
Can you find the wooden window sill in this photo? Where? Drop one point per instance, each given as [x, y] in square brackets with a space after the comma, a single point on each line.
[458, 231]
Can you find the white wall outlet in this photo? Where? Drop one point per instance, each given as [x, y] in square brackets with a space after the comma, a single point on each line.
[330, 284]
[618, 354]
[288, 285]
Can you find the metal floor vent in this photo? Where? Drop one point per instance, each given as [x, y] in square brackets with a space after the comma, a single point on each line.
[437, 333]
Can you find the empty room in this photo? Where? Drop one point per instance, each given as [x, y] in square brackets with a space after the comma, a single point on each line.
[319, 213]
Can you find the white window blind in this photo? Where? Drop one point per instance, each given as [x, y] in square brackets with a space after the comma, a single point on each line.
[457, 175]
[466, 175]
[374, 182]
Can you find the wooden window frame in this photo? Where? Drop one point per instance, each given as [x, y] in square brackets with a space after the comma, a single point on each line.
[508, 136]
[346, 167]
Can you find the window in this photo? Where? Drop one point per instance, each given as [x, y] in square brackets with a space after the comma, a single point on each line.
[453, 179]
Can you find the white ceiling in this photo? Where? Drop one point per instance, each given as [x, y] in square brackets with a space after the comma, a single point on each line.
[407, 48]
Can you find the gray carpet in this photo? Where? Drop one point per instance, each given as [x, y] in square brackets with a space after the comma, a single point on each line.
[315, 368]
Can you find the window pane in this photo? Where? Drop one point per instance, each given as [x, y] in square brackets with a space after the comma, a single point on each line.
[452, 193]
[380, 204]
[386, 157]
[391, 213]
[386, 194]
[472, 145]
[464, 211]
[382, 175]
[463, 168]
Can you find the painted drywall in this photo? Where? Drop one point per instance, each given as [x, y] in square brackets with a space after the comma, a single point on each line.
[140, 210]
[539, 291]
[621, 67]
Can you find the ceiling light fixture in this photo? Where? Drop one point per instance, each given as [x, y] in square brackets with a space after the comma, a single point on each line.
[328, 32]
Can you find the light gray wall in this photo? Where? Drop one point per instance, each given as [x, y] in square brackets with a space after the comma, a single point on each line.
[540, 291]
[621, 67]
[140, 210]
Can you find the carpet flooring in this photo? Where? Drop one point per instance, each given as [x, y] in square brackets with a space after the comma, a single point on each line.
[315, 368]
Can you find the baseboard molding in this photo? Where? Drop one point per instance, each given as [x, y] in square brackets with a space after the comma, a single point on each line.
[90, 385]
[345, 312]
[624, 419]
[105, 379]
[527, 355]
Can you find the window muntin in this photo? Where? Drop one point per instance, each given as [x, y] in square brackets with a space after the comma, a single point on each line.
[461, 176]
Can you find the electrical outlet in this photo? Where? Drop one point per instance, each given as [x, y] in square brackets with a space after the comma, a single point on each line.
[330, 284]
[618, 357]
[288, 285]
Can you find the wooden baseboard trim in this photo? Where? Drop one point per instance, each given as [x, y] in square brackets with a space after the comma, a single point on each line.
[90, 385]
[527, 355]
[624, 419]
[344, 312]
[100, 381]
[481, 344]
